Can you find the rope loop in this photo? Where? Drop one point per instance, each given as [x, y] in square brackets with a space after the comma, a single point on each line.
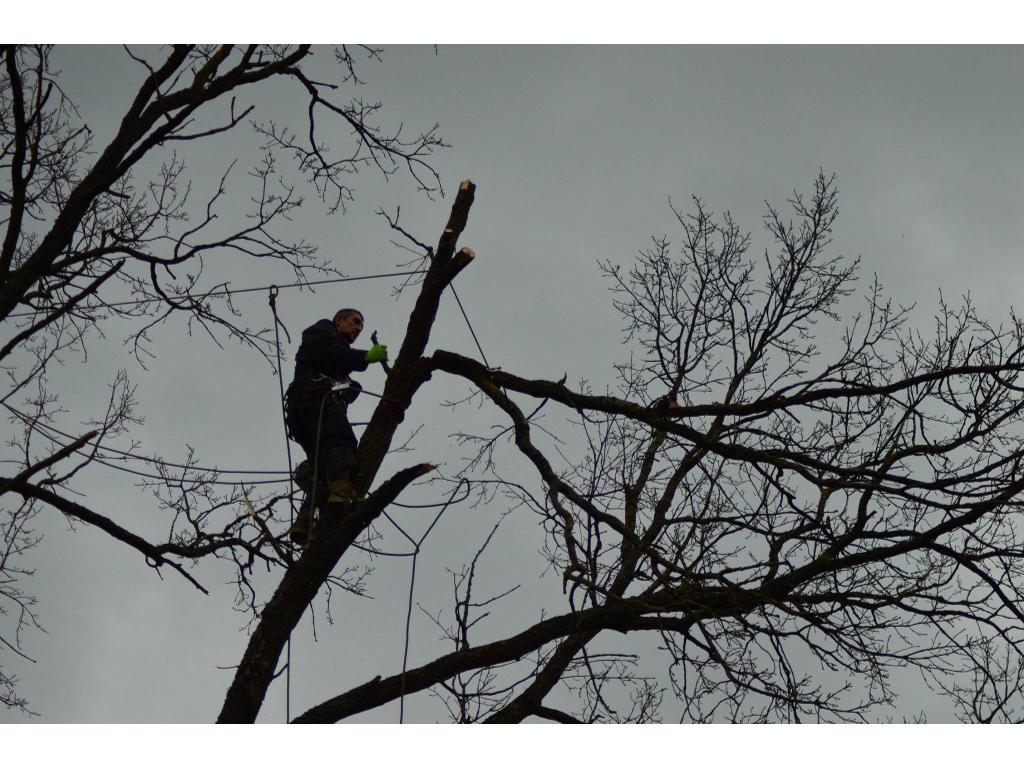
[272, 292]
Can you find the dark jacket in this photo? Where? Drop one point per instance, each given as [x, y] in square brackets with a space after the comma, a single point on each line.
[325, 352]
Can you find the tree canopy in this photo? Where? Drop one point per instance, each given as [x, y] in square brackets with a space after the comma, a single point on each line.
[786, 492]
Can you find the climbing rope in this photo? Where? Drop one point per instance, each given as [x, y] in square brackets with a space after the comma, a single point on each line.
[272, 300]
[417, 544]
[469, 325]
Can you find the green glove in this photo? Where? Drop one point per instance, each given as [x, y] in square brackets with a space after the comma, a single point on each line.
[378, 353]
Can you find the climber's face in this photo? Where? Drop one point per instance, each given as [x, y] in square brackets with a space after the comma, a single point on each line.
[350, 326]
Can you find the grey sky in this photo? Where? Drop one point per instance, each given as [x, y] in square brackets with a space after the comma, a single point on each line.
[576, 152]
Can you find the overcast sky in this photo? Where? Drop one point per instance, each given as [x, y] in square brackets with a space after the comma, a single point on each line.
[576, 153]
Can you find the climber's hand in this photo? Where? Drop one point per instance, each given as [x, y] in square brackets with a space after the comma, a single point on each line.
[378, 353]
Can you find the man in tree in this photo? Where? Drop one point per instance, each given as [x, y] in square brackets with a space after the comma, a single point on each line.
[317, 405]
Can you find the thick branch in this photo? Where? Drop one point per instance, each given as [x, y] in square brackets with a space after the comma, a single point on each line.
[153, 552]
[18, 183]
[529, 701]
[556, 715]
[63, 453]
[380, 691]
[809, 467]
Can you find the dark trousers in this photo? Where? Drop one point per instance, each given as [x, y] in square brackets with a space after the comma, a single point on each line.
[318, 421]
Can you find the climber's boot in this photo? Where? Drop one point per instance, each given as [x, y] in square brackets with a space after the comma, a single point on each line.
[303, 476]
[299, 532]
[342, 491]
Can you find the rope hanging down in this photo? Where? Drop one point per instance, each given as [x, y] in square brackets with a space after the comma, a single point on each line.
[272, 299]
[416, 543]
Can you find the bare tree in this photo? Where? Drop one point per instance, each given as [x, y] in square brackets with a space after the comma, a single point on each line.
[109, 238]
[791, 525]
[787, 515]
